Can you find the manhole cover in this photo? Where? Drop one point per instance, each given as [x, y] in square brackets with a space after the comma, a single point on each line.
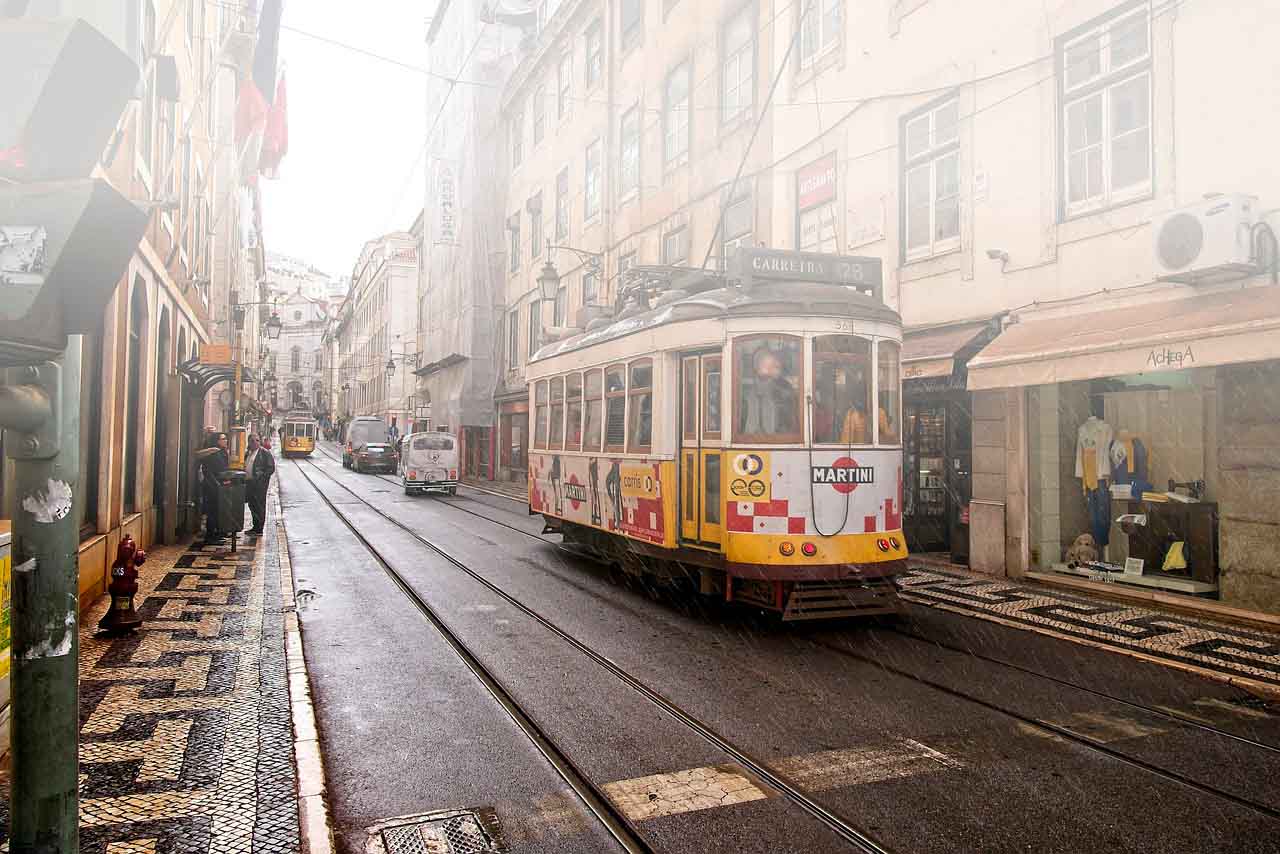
[449, 832]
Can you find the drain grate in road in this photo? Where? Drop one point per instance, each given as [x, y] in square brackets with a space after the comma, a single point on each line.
[450, 832]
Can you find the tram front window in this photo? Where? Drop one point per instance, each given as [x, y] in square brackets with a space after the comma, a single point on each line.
[841, 390]
[768, 370]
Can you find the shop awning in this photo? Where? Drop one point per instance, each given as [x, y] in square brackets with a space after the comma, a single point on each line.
[1222, 328]
[933, 352]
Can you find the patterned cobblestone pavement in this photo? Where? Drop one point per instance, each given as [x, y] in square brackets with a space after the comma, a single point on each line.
[1224, 651]
[186, 741]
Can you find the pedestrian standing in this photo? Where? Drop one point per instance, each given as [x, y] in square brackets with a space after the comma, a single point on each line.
[260, 465]
[213, 462]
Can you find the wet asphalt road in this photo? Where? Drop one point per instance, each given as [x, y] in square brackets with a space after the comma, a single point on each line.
[956, 765]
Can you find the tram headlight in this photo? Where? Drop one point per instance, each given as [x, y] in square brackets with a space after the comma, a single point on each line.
[893, 541]
[809, 549]
[786, 549]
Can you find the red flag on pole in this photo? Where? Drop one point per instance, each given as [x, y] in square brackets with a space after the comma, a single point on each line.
[275, 137]
[251, 120]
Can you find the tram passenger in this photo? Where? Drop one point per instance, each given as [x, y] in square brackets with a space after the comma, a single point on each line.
[769, 403]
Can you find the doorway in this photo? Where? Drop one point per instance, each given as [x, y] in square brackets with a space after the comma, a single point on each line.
[701, 447]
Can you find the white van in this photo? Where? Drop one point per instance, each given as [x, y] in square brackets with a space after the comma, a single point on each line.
[429, 461]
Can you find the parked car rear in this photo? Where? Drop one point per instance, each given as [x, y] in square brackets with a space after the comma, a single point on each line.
[367, 447]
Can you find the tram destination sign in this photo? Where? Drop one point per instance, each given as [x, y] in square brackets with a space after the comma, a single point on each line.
[756, 265]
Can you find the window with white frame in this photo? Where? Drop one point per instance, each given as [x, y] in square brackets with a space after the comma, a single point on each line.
[675, 244]
[595, 53]
[591, 188]
[675, 116]
[629, 151]
[931, 180]
[539, 113]
[513, 230]
[1106, 113]
[562, 204]
[738, 68]
[819, 29]
[517, 137]
[561, 306]
[534, 206]
[564, 86]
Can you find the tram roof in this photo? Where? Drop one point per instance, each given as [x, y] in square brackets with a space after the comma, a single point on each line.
[769, 299]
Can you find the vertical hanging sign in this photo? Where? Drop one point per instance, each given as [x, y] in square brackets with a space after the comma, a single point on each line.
[446, 203]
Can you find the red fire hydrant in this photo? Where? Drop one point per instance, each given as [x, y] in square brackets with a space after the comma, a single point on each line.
[121, 616]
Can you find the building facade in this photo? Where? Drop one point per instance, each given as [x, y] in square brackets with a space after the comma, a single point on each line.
[376, 328]
[1030, 178]
[141, 413]
[637, 142]
[296, 360]
[460, 231]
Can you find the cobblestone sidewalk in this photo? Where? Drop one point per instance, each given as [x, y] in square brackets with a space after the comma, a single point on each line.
[1222, 652]
[186, 740]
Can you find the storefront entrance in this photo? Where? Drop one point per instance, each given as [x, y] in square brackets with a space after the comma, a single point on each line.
[475, 444]
[936, 479]
[513, 440]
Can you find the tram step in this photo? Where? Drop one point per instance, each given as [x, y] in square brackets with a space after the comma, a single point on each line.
[825, 600]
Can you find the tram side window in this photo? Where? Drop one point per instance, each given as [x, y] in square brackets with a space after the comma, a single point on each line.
[640, 436]
[841, 390]
[767, 372]
[573, 412]
[711, 395]
[615, 408]
[557, 412]
[595, 411]
[890, 390]
[540, 414]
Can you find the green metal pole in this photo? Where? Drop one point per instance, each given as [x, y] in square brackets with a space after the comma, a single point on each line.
[45, 615]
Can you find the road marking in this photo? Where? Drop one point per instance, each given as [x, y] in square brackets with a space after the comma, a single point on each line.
[708, 787]
[683, 791]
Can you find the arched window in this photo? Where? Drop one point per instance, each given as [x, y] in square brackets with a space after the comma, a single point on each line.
[135, 403]
[295, 360]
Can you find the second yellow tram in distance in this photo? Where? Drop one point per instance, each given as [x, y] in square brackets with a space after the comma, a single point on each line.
[742, 430]
[298, 435]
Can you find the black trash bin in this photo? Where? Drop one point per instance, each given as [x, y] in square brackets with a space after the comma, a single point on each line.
[231, 500]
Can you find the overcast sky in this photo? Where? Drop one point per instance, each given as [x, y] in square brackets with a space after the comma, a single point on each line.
[356, 127]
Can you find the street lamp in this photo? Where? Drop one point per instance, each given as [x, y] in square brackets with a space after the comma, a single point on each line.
[274, 325]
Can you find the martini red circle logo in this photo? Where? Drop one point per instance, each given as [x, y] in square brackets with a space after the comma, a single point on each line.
[575, 491]
[844, 475]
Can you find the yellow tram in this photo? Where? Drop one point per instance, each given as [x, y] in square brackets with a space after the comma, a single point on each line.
[298, 434]
[721, 428]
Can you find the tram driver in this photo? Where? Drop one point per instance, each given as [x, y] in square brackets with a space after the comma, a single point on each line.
[770, 402]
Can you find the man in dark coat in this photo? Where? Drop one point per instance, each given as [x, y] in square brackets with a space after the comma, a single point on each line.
[259, 466]
[213, 462]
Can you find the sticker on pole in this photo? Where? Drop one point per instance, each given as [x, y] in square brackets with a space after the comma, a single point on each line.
[51, 505]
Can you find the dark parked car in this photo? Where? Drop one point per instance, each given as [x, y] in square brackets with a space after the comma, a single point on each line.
[367, 447]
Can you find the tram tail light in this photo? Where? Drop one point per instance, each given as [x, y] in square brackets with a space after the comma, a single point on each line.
[882, 544]
[787, 549]
[809, 549]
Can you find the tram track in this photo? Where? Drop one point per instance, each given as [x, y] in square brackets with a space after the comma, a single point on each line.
[999, 708]
[618, 825]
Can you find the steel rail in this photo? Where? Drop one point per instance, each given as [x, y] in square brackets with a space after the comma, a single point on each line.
[842, 828]
[1170, 714]
[1150, 710]
[592, 798]
[1060, 731]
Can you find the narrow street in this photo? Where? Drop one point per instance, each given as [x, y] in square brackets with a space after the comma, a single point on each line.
[703, 728]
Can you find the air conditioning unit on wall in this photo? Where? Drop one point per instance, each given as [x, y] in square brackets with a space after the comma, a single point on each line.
[1210, 241]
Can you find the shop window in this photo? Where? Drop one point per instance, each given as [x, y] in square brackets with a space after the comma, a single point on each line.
[594, 410]
[640, 392]
[1105, 92]
[557, 413]
[540, 414]
[615, 409]
[573, 412]
[931, 178]
[711, 398]
[768, 369]
[841, 390]
[889, 392]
